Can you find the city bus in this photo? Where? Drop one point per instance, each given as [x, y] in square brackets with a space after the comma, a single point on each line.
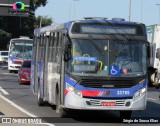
[77, 66]
[19, 49]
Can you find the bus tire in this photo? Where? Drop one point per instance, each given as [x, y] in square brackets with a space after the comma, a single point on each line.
[39, 98]
[126, 114]
[59, 109]
[62, 113]
[153, 77]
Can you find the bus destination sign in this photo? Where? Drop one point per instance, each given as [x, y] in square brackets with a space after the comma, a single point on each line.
[103, 29]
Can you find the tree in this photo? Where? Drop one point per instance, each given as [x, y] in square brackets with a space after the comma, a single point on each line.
[42, 21]
[4, 39]
[14, 27]
[34, 4]
[38, 3]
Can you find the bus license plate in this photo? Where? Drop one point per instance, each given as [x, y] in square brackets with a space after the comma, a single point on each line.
[108, 103]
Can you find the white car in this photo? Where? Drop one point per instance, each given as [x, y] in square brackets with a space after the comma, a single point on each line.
[3, 57]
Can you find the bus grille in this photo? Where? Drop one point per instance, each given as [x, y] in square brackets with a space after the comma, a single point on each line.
[107, 83]
[98, 102]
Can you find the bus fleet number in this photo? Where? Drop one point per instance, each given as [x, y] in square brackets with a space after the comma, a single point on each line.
[123, 92]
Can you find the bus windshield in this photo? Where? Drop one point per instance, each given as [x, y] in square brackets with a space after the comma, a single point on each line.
[101, 57]
[4, 53]
[21, 48]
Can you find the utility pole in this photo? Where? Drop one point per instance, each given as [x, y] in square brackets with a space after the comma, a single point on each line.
[74, 8]
[69, 9]
[159, 12]
[40, 22]
[129, 10]
[141, 10]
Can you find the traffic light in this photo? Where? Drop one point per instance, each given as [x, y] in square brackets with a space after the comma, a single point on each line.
[18, 6]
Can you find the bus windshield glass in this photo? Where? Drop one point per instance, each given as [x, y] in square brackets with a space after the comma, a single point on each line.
[4, 53]
[101, 57]
[21, 48]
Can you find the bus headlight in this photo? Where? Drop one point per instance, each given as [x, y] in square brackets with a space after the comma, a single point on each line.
[10, 61]
[73, 90]
[138, 93]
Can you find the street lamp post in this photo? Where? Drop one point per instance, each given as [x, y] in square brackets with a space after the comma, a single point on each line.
[74, 8]
[129, 10]
[159, 12]
[70, 6]
[40, 22]
[69, 9]
[141, 10]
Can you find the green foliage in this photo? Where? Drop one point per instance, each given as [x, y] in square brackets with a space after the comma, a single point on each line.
[14, 27]
[4, 39]
[43, 21]
[17, 26]
[4, 34]
[38, 3]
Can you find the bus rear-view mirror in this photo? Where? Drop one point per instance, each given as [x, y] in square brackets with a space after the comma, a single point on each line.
[158, 53]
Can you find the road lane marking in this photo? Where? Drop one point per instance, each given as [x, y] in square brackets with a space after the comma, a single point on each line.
[9, 74]
[3, 91]
[24, 111]
[152, 99]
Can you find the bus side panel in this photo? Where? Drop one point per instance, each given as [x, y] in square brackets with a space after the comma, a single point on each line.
[32, 81]
[45, 75]
[51, 84]
[34, 66]
[40, 70]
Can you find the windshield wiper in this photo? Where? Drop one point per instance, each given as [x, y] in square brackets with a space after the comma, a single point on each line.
[95, 45]
[122, 46]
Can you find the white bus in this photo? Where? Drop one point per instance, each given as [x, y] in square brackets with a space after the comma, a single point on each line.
[77, 65]
[19, 49]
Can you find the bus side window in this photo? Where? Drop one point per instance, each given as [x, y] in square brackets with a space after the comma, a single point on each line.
[43, 47]
[59, 48]
[56, 45]
[50, 47]
[53, 48]
[40, 47]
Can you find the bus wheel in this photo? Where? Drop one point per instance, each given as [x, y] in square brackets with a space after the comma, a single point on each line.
[125, 114]
[155, 79]
[39, 99]
[61, 111]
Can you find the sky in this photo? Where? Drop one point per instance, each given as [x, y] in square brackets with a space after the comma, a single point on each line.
[145, 11]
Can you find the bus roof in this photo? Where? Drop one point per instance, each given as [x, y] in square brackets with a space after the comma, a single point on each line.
[20, 39]
[67, 25]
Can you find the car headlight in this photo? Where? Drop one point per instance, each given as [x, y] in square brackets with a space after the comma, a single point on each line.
[1, 58]
[138, 93]
[73, 90]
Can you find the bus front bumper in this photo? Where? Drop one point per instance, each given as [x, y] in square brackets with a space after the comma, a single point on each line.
[14, 67]
[72, 102]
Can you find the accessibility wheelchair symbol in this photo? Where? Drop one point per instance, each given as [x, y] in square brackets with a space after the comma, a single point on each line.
[114, 70]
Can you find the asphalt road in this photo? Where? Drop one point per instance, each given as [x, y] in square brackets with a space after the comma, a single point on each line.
[22, 96]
